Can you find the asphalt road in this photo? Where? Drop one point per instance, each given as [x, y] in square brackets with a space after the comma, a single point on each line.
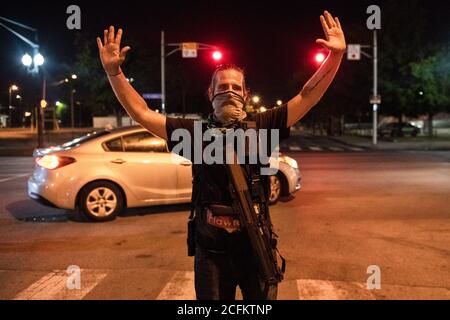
[356, 209]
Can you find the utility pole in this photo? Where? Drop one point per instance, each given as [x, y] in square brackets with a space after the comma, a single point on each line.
[375, 87]
[163, 74]
[354, 52]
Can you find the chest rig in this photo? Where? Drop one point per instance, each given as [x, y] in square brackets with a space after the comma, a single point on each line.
[258, 184]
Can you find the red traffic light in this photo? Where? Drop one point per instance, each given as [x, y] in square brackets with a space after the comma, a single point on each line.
[217, 55]
[320, 57]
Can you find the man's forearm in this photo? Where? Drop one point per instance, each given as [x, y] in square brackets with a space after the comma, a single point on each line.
[318, 84]
[314, 89]
[133, 103]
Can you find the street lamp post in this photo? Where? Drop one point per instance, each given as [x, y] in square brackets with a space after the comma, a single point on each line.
[37, 61]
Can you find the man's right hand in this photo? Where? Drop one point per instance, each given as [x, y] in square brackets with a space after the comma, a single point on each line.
[110, 53]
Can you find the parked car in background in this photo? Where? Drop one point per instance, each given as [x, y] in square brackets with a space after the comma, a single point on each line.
[106, 171]
[398, 130]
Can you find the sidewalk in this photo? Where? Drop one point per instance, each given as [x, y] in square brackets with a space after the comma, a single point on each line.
[418, 143]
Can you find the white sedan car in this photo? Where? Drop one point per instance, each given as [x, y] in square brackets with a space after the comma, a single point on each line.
[106, 171]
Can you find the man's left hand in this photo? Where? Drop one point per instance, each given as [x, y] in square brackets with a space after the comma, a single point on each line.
[335, 40]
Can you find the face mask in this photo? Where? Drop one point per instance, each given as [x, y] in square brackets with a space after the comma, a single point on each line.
[228, 107]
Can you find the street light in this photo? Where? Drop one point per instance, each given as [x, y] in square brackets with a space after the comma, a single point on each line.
[74, 76]
[27, 60]
[279, 102]
[256, 99]
[38, 60]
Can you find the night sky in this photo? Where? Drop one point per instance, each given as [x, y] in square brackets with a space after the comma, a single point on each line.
[271, 40]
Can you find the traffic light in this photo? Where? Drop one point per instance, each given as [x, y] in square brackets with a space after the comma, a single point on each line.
[319, 57]
[217, 55]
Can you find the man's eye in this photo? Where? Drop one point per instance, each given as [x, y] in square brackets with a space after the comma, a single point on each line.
[237, 88]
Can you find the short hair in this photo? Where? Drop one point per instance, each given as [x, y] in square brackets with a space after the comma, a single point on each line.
[223, 67]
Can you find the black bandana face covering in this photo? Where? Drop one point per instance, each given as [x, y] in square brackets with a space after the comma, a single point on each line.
[228, 107]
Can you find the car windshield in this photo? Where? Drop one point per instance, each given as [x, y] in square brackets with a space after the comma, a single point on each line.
[84, 139]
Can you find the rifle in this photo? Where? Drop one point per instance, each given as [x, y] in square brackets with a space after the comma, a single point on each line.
[258, 229]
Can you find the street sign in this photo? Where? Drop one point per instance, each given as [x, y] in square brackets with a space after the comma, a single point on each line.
[375, 99]
[152, 96]
[189, 49]
[354, 52]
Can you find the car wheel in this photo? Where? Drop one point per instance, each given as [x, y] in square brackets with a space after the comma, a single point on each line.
[101, 201]
[275, 189]
[414, 134]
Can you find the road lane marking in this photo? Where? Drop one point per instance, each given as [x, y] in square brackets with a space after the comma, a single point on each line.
[336, 149]
[53, 286]
[332, 290]
[295, 148]
[180, 287]
[17, 176]
[355, 149]
[315, 148]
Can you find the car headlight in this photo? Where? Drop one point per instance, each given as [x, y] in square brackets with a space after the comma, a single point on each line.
[288, 160]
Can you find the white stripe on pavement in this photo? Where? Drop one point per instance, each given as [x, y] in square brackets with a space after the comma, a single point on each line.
[315, 148]
[17, 176]
[295, 148]
[355, 149]
[336, 149]
[53, 286]
[180, 287]
[332, 290]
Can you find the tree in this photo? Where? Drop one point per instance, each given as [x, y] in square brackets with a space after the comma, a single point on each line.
[432, 83]
[94, 90]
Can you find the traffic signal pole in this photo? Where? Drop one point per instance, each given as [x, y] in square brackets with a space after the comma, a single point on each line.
[375, 86]
[177, 47]
[163, 74]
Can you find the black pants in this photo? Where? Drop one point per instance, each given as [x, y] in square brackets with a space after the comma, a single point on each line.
[218, 274]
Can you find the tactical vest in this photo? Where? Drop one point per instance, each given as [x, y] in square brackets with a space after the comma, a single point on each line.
[258, 184]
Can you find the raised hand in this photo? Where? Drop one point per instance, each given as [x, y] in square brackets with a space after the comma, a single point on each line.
[110, 53]
[335, 40]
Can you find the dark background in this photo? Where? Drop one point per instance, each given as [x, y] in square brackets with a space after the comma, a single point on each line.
[274, 41]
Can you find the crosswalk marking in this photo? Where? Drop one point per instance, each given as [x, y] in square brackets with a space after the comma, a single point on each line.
[332, 290]
[180, 287]
[53, 286]
[296, 147]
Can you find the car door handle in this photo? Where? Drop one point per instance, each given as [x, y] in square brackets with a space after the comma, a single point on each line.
[186, 163]
[118, 161]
